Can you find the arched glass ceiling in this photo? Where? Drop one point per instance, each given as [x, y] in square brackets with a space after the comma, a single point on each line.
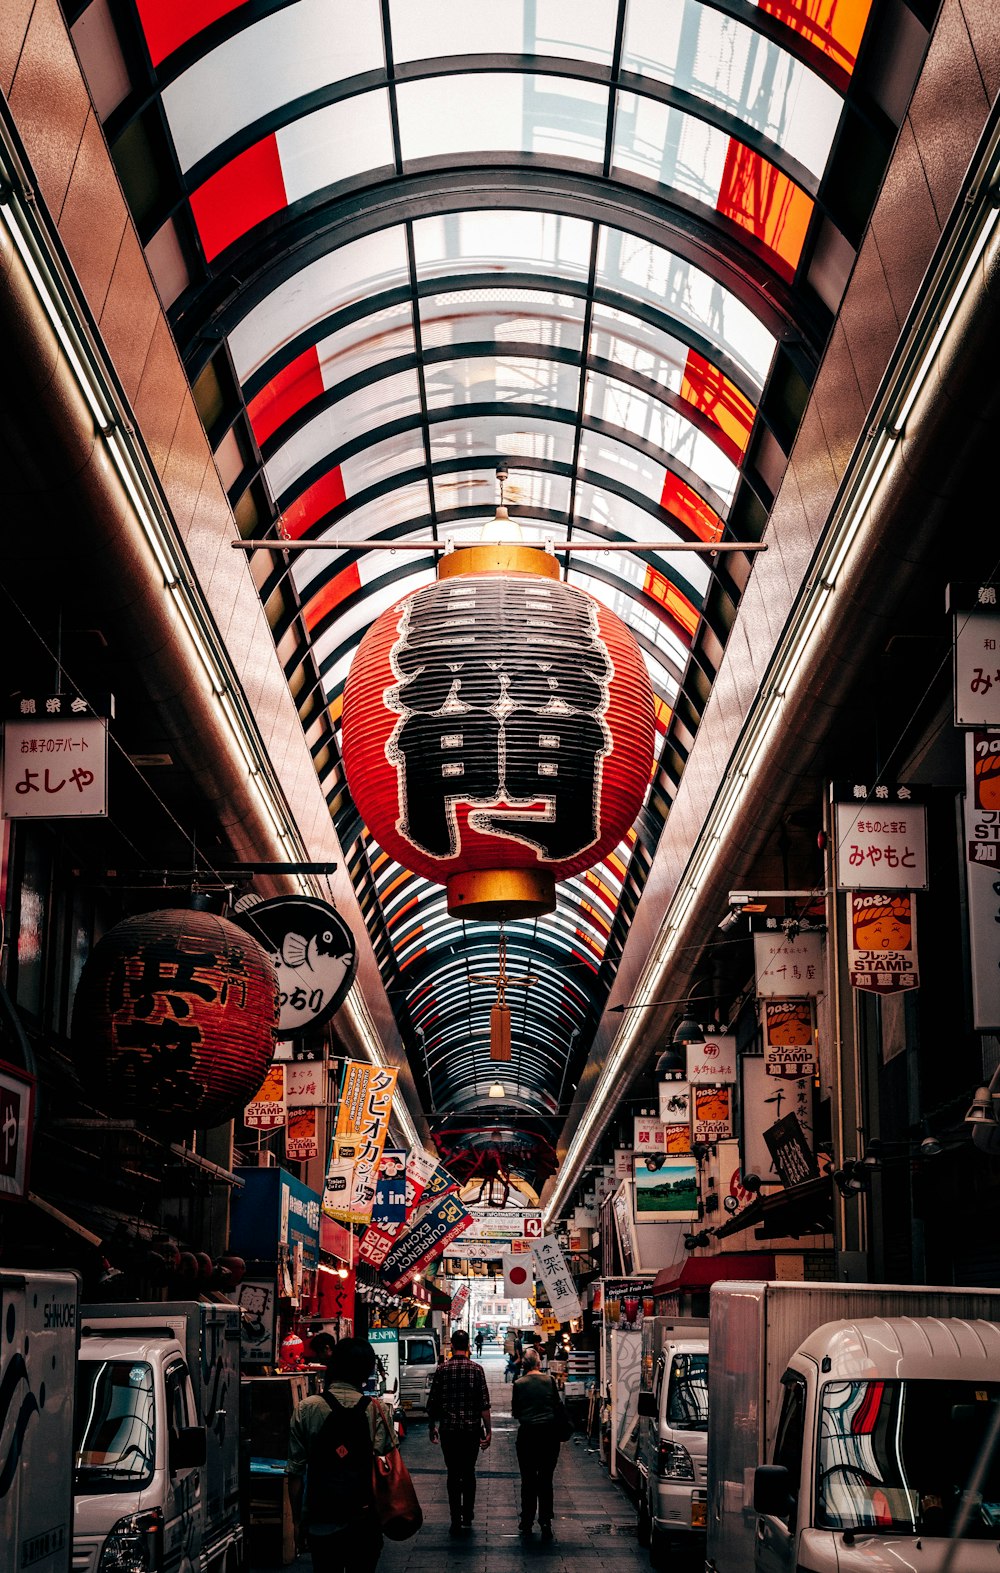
[400, 240]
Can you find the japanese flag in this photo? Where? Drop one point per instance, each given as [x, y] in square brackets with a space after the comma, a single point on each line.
[518, 1275]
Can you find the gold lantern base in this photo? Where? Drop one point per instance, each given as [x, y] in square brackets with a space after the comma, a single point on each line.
[493, 894]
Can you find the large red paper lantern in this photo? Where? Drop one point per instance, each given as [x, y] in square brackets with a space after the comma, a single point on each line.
[498, 730]
[174, 1018]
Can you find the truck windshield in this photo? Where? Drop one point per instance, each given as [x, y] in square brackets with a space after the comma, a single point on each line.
[899, 1457]
[687, 1395]
[113, 1425]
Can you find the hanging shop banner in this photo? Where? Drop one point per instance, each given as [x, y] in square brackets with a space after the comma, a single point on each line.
[301, 1136]
[305, 1084]
[440, 1183]
[518, 1275]
[17, 1118]
[314, 958]
[982, 797]
[623, 1163]
[423, 1241]
[788, 964]
[362, 1123]
[366, 1101]
[789, 1037]
[420, 1165]
[675, 1102]
[712, 1115]
[349, 1191]
[666, 1191]
[881, 838]
[389, 1206]
[976, 612]
[982, 826]
[267, 1109]
[376, 1243]
[648, 1134]
[713, 1060]
[552, 1269]
[882, 940]
[764, 1100]
[458, 1300]
[55, 758]
[791, 1154]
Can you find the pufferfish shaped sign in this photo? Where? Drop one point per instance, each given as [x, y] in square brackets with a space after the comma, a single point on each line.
[314, 958]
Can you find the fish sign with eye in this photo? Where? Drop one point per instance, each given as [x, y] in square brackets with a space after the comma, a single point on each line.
[314, 958]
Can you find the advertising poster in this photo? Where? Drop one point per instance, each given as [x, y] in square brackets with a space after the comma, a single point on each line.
[788, 964]
[882, 940]
[385, 1342]
[666, 1190]
[301, 1137]
[257, 1299]
[626, 1302]
[267, 1110]
[423, 1241]
[389, 1206]
[789, 1037]
[712, 1118]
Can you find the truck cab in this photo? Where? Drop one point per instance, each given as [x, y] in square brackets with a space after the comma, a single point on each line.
[880, 1456]
[673, 1437]
[156, 1439]
[419, 1353]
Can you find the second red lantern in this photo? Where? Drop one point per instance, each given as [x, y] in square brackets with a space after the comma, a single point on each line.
[498, 731]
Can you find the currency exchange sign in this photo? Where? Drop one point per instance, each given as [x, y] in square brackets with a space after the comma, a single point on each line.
[427, 1238]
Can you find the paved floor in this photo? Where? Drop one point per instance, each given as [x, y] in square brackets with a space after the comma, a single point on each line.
[594, 1524]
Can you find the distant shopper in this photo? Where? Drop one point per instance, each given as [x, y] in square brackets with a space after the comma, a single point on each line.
[479, 1344]
[458, 1409]
[331, 1445]
[536, 1404]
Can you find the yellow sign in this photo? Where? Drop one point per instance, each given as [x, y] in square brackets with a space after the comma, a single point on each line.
[362, 1123]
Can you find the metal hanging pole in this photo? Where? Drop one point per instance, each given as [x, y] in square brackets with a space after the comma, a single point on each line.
[665, 548]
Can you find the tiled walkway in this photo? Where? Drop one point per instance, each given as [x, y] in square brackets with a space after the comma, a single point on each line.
[594, 1522]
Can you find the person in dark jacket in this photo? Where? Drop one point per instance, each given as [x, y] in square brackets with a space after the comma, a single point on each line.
[536, 1404]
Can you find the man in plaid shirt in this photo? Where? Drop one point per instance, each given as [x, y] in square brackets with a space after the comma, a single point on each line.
[458, 1409]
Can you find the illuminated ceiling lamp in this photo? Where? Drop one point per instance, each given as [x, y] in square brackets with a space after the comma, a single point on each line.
[498, 729]
[497, 1090]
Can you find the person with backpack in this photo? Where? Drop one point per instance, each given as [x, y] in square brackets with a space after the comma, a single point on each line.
[332, 1443]
[458, 1410]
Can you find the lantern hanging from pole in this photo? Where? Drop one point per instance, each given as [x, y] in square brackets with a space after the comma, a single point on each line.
[498, 730]
[174, 1018]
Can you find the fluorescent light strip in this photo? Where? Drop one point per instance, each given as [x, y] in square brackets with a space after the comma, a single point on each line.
[792, 652]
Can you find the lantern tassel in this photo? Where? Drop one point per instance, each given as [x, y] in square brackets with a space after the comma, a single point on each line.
[500, 1033]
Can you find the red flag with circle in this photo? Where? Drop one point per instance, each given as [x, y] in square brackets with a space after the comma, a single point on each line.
[518, 1275]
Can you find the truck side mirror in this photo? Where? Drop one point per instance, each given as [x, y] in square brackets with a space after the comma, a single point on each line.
[771, 1494]
[187, 1448]
[647, 1406]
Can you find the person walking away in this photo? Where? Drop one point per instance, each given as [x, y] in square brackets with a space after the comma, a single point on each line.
[536, 1404]
[333, 1439]
[479, 1344]
[458, 1410]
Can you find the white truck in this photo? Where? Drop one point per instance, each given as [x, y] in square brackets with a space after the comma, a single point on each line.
[156, 1440]
[38, 1340]
[673, 1437]
[850, 1429]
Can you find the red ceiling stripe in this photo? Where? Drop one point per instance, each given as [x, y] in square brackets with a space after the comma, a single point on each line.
[711, 392]
[834, 26]
[169, 23]
[758, 197]
[659, 589]
[286, 394]
[246, 190]
[407, 906]
[322, 497]
[679, 499]
[333, 592]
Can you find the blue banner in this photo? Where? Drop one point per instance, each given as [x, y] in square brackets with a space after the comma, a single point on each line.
[389, 1206]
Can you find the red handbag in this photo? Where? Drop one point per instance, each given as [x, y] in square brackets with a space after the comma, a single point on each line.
[395, 1497]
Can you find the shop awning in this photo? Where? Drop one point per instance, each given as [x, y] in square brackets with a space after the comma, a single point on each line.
[803, 1209]
[699, 1272]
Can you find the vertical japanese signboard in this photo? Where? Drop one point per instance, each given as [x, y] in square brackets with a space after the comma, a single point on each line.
[788, 962]
[712, 1115]
[789, 1037]
[55, 759]
[362, 1123]
[881, 838]
[552, 1269]
[976, 612]
[882, 940]
[17, 1108]
[267, 1111]
[301, 1137]
[983, 874]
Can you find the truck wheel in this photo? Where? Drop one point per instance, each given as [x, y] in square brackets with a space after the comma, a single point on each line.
[643, 1527]
[659, 1549]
